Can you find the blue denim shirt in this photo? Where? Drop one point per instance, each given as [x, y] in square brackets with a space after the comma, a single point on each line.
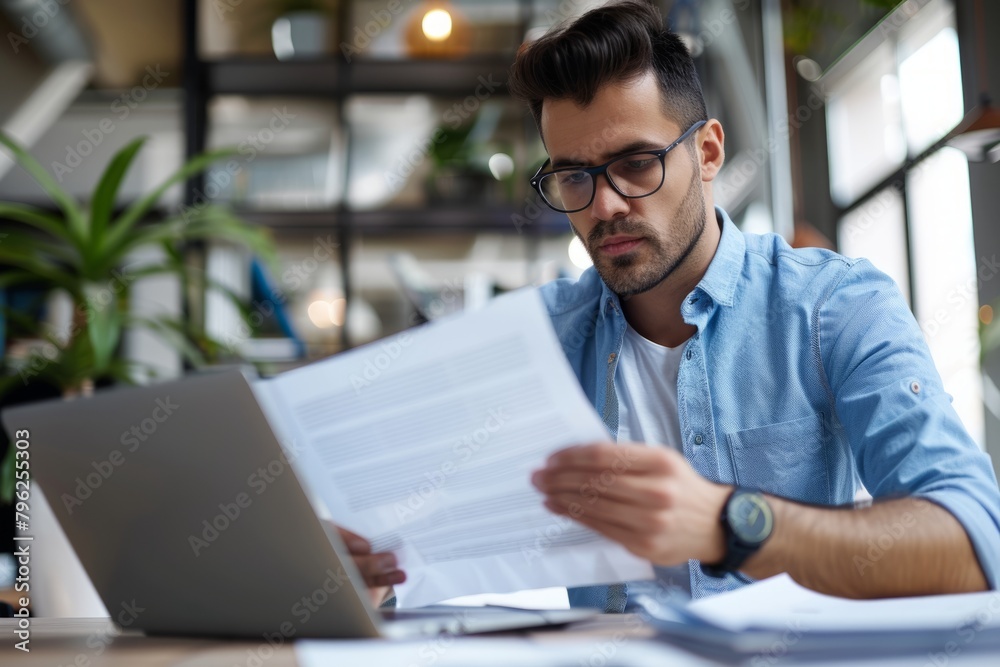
[807, 375]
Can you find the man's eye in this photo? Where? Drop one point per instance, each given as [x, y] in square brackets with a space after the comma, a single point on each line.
[638, 164]
[572, 177]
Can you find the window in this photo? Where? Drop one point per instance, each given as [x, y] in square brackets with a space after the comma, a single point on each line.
[906, 197]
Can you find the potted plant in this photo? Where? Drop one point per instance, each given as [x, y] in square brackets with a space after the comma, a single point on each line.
[81, 252]
[462, 171]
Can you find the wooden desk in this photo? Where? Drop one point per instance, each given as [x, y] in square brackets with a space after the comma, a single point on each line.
[608, 640]
[96, 643]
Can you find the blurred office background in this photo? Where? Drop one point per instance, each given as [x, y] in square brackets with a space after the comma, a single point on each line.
[378, 145]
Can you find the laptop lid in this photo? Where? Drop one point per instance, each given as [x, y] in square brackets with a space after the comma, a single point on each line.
[179, 501]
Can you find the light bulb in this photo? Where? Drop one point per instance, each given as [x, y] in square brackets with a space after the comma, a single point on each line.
[436, 25]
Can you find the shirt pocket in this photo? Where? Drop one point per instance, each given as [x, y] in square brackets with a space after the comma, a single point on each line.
[786, 459]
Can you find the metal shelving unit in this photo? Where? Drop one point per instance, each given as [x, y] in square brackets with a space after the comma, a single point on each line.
[332, 78]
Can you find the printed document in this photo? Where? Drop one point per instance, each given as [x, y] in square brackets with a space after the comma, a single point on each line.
[778, 603]
[424, 444]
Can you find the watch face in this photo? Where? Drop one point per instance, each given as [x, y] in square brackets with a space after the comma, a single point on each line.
[750, 517]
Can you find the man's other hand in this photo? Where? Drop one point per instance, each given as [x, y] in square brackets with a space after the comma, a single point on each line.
[380, 571]
[647, 498]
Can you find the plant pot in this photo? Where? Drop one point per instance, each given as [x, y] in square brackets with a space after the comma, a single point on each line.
[300, 35]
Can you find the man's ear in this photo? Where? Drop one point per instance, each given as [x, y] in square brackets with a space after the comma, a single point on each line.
[711, 149]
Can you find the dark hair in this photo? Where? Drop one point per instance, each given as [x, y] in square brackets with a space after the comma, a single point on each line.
[616, 42]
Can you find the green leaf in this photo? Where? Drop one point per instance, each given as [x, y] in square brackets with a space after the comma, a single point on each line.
[7, 476]
[159, 232]
[104, 327]
[74, 216]
[19, 277]
[211, 223]
[173, 331]
[236, 299]
[38, 219]
[122, 370]
[13, 254]
[18, 321]
[220, 223]
[127, 220]
[26, 242]
[107, 190]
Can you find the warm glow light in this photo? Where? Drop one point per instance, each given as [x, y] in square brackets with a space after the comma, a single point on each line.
[337, 309]
[578, 254]
[986, 314]
[320, 314]
[436, 25]
[325, 314]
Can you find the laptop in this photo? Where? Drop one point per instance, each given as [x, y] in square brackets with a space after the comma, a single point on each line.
[179, 502]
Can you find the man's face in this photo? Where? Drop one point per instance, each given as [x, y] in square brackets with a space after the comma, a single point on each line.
[634, 243]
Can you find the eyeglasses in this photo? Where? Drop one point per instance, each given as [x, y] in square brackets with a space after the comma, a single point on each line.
[571, 189]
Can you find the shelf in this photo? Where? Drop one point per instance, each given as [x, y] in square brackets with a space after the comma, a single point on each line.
[443, 220]
[290, 221]
[458, 219]
[334, 77]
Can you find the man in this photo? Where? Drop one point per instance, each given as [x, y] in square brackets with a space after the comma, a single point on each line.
[750, 386]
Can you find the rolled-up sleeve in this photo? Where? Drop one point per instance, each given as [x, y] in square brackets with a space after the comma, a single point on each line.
[906, 438]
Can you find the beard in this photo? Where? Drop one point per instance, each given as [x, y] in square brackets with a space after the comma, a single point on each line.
[633, 273]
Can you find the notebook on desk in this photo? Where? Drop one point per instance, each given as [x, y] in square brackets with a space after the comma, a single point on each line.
[178, 501]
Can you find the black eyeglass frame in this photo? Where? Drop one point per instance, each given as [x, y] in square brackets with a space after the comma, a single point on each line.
[594, 172]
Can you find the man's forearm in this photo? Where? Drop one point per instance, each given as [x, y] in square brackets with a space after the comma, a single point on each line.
[900, 547]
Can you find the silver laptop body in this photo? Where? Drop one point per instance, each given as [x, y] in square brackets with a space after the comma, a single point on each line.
[179, 501]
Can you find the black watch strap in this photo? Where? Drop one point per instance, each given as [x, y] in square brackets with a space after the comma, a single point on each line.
[735, 556]
[737, 549]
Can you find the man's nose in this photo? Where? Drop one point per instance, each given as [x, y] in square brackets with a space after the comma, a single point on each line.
[608, 203]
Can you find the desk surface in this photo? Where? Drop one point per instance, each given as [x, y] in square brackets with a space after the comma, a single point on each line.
[605, 641]
[97, 643]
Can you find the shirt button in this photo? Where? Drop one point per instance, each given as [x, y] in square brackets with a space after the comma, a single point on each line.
[698, 439]
[915, 387]
[611, 358]
[689, 354]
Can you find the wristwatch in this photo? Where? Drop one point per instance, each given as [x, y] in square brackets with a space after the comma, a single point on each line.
[747, 521]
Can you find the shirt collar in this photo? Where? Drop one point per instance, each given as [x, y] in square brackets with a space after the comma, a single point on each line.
[719, 281]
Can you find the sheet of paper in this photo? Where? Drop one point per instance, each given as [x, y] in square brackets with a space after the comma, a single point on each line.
[778, 603]
[553, 650]
[424, 443]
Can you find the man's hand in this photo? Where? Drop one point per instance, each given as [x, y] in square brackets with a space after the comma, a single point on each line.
[649, 499]
[380, 571]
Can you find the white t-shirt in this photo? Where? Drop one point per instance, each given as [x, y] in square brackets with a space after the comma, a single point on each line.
[646, 384]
